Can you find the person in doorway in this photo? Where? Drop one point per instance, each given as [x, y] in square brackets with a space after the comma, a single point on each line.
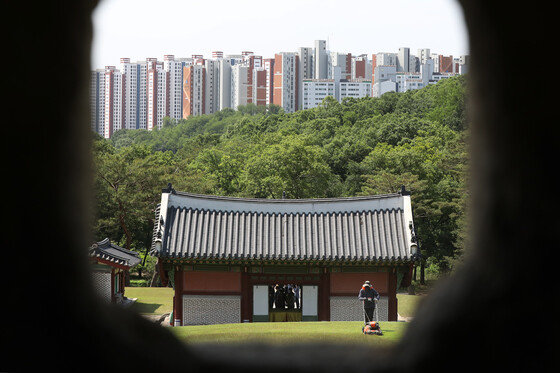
[279, 299]
[290, 299]
[368, 295]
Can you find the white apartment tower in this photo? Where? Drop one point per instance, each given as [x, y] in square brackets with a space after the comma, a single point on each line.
[424, 55]
[403, 60]
[386, 59]
[212, 99]
[130, 93]
[239, 86]
[174, 69]
[321, 59]
[306, 69]
[224, 69]
[342, 61]
[156, 95]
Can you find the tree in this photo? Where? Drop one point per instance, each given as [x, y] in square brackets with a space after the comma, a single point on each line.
[292, 167]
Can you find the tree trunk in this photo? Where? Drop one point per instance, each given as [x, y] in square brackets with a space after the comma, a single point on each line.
[414, 273]
[154, 278]
[422, 273]
[123, 226]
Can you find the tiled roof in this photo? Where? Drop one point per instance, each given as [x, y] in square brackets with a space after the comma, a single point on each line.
[374, 228]
[112, 253]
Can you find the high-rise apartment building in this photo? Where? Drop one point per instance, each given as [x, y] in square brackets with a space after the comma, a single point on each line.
[174, 70]
[445, 64]
[239, 86]
[321, 59]
[361, 67]
[286, 81]
[97, 101]
[113, 101]
[156, 94]
[212, 89]
[252, 62]
[224, 84]
[342, 61]
[193, 90]
[268, 65]
[424, 55]
[382, 59]
[306, 69]
[403, 60]
[131, 85]
[259, 87]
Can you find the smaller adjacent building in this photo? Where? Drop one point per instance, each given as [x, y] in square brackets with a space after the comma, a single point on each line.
[110, 265]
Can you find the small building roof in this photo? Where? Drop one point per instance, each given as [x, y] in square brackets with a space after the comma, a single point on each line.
[371, 228]
[109, 252]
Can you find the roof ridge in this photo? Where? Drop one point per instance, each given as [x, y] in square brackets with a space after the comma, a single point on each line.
[362, 211]
[286, 200]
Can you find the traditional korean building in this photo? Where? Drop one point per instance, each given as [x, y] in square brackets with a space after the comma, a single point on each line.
[110, 265]
[224, 255]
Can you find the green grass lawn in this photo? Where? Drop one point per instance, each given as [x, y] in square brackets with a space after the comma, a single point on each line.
[151, 301]
[340, 332]
[154, 301]
[407, 304]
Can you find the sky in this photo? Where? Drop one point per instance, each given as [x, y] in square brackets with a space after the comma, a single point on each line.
[139, 29]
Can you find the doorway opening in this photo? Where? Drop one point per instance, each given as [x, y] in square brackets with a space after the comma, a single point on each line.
[286, 302]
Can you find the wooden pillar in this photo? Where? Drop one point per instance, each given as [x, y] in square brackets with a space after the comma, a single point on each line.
[113, 298]
[246, 297]
[178, 297]
[324, 306]
[392, 294]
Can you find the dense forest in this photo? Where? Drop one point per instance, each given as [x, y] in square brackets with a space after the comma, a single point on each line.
[356, 147]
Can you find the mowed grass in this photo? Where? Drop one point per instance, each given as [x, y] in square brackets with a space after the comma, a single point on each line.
[407, 304]
[337, 332]
[151, 301]
[157, 301]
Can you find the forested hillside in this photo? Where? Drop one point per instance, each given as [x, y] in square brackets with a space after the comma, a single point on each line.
[357, 147]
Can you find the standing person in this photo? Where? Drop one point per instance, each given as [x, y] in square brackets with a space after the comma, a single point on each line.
[290, 298]
[296, 295]
[368, 295]
[279, 300]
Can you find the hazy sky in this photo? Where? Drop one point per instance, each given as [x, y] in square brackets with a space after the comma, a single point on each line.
[146, 28]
